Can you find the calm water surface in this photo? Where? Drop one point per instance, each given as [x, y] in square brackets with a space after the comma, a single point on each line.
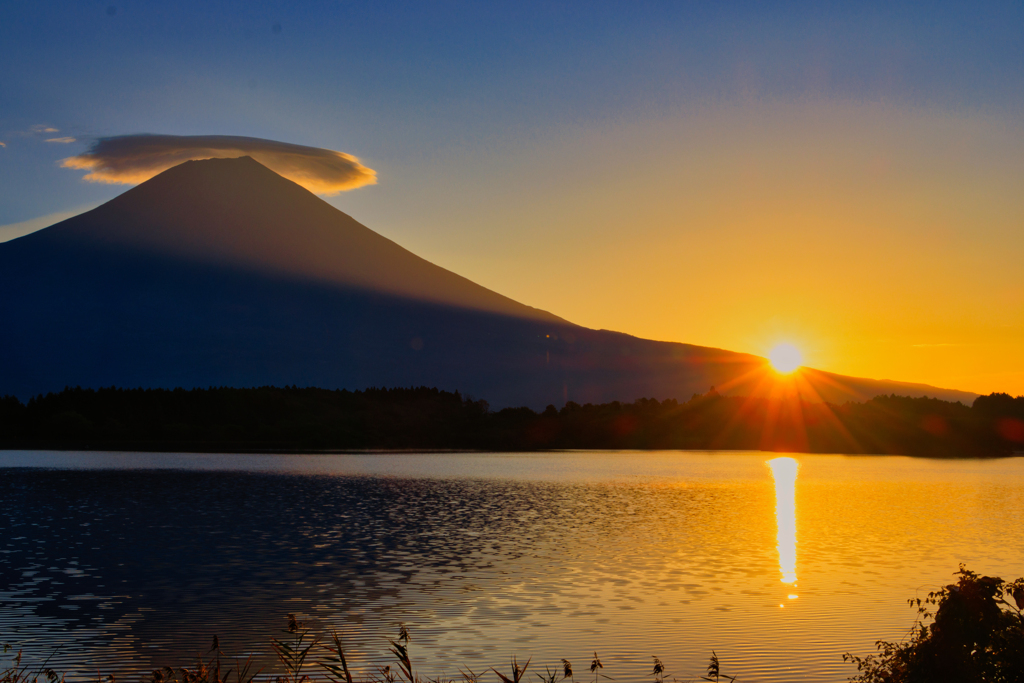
[133, 561]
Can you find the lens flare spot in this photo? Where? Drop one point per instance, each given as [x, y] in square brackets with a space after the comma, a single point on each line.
[785, 358]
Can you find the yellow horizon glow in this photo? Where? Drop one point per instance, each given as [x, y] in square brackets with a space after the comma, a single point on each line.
[885, 238]
[784, 472]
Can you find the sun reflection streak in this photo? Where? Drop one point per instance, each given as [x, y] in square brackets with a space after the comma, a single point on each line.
[784, 473]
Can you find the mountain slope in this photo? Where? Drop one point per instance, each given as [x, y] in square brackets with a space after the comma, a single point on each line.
[220, 272]
[238, 213]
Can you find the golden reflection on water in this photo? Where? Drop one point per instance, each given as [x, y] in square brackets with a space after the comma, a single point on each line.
[784, 472]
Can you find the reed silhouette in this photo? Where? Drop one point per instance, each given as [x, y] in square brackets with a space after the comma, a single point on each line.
[303, 658]
[715, 670]
[18, 671]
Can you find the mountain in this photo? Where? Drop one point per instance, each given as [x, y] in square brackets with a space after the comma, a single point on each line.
[223, 273]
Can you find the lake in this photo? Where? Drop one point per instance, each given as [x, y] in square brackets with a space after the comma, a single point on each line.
[780, 563]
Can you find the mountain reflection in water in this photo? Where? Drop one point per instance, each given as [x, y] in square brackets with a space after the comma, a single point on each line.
[485, 556]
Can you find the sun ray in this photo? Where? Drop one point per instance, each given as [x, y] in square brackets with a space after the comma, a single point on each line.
[828, 412]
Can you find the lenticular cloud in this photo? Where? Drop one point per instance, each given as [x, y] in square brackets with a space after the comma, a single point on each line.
[132, 159]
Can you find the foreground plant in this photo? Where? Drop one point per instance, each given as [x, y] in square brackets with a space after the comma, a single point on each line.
[205, 672]
[715, 670]
[517, 672]
[976, 636]
[294, 651]
[306, 660]
[335, 663]
[658, 671]
[400, 649]
[20, 672]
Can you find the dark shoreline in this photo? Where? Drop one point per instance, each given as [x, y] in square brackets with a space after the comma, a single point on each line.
[274, 420]
[443, 451]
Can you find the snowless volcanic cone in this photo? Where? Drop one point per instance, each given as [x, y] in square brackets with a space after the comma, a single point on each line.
[223, 272]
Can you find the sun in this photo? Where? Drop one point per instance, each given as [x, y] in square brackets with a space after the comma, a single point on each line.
[785, 358]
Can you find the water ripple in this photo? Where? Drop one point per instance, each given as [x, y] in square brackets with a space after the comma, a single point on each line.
[132, 564]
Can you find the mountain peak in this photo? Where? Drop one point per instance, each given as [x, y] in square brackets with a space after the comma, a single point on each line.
[216, 166]
[237, 212]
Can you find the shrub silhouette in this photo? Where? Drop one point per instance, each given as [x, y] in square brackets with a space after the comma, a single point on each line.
[976, 635]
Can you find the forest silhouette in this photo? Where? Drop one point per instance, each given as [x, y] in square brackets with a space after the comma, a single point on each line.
[310, 419]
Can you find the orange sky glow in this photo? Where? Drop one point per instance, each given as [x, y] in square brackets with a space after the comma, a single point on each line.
[882, 242]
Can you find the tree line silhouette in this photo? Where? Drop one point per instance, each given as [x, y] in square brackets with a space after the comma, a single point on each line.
[303, 419]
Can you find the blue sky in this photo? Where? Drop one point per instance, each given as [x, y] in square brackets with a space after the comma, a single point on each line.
[502, 132]
[393, 80]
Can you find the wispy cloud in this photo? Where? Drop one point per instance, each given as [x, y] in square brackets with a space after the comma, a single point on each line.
[60, 139]
[37, 131]
[2, 143]
[132, 159]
